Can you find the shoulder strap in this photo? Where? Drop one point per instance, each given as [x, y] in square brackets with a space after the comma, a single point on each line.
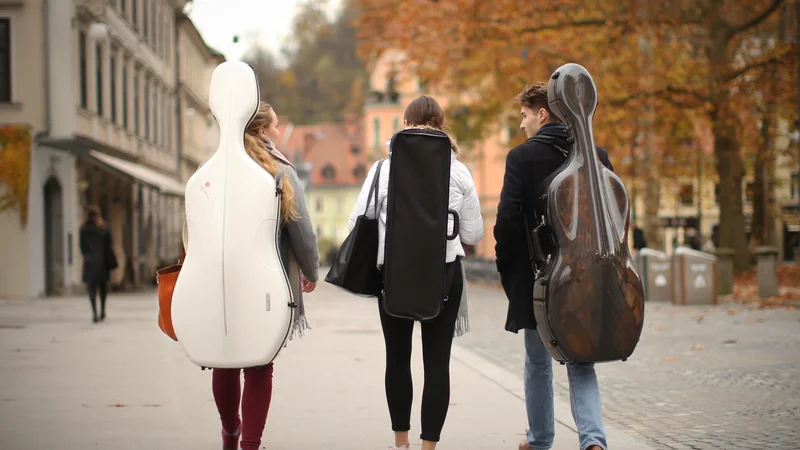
[373, 190]
[549, 140]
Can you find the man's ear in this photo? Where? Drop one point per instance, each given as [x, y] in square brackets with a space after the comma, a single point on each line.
[543, 116]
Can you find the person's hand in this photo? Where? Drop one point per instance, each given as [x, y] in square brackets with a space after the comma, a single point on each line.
[309, 286]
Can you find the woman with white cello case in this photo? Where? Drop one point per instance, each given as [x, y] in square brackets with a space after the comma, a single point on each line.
[427, 206]
[253, 253]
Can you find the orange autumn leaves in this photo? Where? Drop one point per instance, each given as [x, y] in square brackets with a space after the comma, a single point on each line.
[15, 168]
[642, 54]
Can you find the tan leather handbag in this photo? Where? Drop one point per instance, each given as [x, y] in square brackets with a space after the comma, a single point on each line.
[166, 279]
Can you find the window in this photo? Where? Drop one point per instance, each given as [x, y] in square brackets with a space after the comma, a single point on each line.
[329, 172]
[5, 60]
[98, 61]
[146, 108]
[124, 93]
[168, 124]
[164, 114]
[145, 19]
[686, 195]
[135, 12]
[168, 39]
[152, 24]
[165, 38]
[135, 100]
[113, 75]
[155, 114]
[122, 9]
[748, 193]
[360, 172]
[82, 57]
[376, 130]
[716, 194]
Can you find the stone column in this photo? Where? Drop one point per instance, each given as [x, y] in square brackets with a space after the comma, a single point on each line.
[767, 271]
[724, 271]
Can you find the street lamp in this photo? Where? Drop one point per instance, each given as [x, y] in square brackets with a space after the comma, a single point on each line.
[98, 32]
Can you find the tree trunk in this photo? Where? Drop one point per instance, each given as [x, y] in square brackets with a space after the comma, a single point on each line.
[761, 225]
[651, 222]
[730, 168]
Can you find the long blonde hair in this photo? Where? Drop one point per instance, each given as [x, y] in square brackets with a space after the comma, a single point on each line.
[257, 150]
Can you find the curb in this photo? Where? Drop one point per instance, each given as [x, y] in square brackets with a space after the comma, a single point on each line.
[513, 385]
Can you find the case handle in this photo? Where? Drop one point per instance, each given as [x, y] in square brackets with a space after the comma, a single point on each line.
[450, 237]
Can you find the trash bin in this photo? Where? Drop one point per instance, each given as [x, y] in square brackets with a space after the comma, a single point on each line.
[695, 275]
[655, 269]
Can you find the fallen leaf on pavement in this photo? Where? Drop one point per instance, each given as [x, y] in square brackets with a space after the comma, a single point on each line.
[730, 341]
[698, 347]
[669, 358]
[118, 405]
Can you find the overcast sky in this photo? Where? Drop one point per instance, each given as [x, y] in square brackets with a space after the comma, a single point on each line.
[267, 21]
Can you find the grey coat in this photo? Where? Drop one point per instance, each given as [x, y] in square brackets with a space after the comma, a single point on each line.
[298, 242]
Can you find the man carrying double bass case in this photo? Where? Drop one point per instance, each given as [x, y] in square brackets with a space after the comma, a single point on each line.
[528, 165]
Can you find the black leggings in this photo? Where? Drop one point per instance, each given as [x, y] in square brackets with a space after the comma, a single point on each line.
[437, 339]
[93, 287]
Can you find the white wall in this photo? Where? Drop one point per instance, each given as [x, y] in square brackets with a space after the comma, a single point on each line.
[61, 165]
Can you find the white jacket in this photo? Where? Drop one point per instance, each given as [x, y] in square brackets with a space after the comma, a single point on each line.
[463, 199]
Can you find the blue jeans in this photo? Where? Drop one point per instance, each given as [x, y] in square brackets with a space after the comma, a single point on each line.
[584, 396]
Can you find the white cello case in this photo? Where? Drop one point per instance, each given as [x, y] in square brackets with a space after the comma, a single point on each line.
[232, 306]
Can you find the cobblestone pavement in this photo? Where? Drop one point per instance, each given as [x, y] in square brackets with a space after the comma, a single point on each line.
[717, 377]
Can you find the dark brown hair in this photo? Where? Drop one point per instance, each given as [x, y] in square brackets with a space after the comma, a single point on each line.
[534, 96]
[424, 111]
[93, 215]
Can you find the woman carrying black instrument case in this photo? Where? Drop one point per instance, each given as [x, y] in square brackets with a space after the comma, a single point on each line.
[426, 207]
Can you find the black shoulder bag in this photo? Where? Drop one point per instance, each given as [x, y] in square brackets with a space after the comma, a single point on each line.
[355, 267]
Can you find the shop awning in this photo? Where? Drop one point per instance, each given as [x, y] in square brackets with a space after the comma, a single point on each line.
[792, 222]
[163, 183]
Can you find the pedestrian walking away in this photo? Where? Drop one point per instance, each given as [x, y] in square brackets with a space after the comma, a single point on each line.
[99, 259]
[437, 333]
[528, 165]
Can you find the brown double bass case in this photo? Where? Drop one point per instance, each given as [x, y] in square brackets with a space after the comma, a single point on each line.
[588, 297]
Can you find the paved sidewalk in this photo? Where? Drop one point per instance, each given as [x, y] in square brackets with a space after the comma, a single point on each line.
[70, 385]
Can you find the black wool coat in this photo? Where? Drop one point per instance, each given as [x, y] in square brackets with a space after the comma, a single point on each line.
[527, 167]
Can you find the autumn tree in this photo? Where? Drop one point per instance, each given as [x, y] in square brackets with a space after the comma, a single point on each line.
[649, 60]
[318, 76]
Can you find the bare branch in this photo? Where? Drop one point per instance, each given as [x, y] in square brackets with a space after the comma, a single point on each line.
[757, 19]
[666, 93]
[763, 63]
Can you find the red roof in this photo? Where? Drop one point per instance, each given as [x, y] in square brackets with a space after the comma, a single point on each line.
[335, 151]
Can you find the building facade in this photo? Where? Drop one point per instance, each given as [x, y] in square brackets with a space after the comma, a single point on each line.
[95, 82]
[197, 129]
[333, 163]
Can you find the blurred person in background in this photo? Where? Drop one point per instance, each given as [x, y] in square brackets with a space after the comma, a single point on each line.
[99, 259]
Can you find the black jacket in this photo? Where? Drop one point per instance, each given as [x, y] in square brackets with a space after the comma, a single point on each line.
[527, 167]
[98, 253]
